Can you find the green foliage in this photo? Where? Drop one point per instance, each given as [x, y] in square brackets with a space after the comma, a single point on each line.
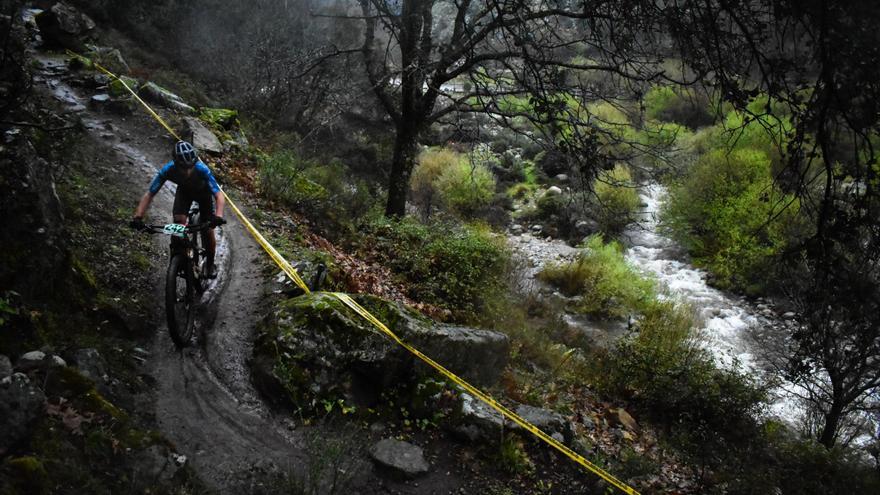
[219, 118]
[118, 89]
[512, 456]
[7, 309]
[462, 183]
[608, 286]
[453, 266]
[283, 179]
[680, 105]
[731, 217]
[617, 200]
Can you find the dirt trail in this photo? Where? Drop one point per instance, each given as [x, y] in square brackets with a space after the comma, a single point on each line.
[205, 403]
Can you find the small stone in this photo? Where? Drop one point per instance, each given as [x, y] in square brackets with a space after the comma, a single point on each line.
[621, 417]
[554, 191]
[537, 229]
[516, 229]
[57, 362]
[558, 437]
[790, 315]
[140, 351]
[562, 178]
[30, 361]
[100, 100]
[400, 458]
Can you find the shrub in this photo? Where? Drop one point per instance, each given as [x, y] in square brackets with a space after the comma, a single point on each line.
[608, 286]
[463, 184]
[466, 186]
[617, 200]
[728, 213]
[680, 105]
[456, 267]
[283, 179]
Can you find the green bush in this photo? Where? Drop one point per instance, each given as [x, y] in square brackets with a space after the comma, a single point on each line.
[608, 286]
[462, 183]
[617, 200]
[710, 415]
[729, 214]
[452, 266]
[283, 179]
[312, 187]
[680, 105]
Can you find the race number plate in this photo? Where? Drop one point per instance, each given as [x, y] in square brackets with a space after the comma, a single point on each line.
[175, 229]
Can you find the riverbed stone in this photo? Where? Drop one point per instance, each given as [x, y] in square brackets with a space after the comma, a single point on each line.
[586, 227]
[314, 346]
[400, 459]
[554, 191]
[789, 315]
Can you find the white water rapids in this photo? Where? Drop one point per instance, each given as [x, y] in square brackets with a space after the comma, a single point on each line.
[726, 322]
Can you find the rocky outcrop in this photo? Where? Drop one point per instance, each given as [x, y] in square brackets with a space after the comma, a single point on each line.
[399, 459]
[62, 26]
[314, 346]
[202, 137]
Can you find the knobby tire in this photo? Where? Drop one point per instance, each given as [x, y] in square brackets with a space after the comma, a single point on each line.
[180, 283]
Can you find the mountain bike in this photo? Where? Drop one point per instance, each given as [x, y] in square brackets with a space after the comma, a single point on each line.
[184, 283]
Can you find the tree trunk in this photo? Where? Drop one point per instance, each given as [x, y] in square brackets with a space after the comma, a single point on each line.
[405, 145]
[828, 436]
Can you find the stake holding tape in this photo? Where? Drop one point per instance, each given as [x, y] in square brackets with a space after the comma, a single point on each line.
[383, 329]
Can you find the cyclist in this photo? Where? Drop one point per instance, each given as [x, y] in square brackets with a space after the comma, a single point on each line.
[195, 182]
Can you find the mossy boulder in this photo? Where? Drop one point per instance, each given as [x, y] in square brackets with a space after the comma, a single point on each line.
[117, 89]
[315, 348]
[219, 118]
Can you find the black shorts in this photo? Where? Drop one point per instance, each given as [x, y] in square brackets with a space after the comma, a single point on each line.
[184, 198]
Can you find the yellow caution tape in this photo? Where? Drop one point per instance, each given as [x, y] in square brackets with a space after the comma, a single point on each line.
[360, 310]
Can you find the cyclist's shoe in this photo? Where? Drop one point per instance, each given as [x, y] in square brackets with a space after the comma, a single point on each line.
[210, 271]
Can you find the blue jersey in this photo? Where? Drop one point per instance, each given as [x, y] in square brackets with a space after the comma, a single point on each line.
[200, 178]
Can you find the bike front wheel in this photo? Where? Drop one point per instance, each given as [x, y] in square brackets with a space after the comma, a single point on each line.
[180, 300]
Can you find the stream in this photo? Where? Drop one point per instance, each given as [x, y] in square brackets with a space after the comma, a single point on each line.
[728, 325]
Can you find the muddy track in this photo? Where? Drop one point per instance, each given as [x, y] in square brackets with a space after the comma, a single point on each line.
[205, 402]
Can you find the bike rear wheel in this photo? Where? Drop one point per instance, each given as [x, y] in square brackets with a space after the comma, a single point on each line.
[180, 300]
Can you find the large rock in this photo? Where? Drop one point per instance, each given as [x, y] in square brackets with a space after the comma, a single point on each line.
[65, 27]
[479, 422]
[401, 459]
[21, 404]
[314, 346]
[157, 94]
[202, 137]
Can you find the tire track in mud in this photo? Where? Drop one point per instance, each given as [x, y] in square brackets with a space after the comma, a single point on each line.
[204, 403]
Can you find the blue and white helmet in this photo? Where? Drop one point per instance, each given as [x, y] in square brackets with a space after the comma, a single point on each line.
[185, 154]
